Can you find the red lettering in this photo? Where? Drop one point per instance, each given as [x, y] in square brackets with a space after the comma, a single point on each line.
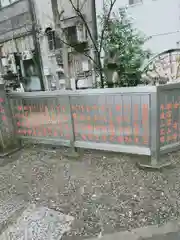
[126, 139]
[103, 108]
[82, 117]
[4, 118]
[44, 132]
[136, 140]
[87, 108]
[1, 110]
[83, 137]
[119, 119]
[29, 132]
[120, 139]
[63, 109]
[95, 107]
[162, 132]
[74, 115]
[176, 105]
[104, 138]
[169, 122]
[175, 136]
[169, 106]
[169, 138]
[162, 139]
[162, 115]
[118, 107]
[169, 131]
[175, 125]
[169, 114]
[34, 132]
[49, 131]
[162, 107]
[18, 124]
[145, 106]
[145, 140]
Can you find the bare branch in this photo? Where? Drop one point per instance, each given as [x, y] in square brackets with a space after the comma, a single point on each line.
[87, 55]
[85, 1]
[106, 20]
[79, 13]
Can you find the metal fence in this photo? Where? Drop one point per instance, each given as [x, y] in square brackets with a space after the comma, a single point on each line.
[137, 120]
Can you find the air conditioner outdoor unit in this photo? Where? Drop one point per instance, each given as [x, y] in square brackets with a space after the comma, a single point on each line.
[11, 63]
[70, 49]
[4, 61]
[27, 55]
[81, 33]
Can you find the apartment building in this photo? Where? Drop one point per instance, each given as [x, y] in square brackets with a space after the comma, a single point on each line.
[34, 50]
[64, 42]
[159, 20]
[19, 49]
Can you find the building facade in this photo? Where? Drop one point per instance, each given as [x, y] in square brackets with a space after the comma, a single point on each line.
[47, 43]
[20, 58]
[64, 43]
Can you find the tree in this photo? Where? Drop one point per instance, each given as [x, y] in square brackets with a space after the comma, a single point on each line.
[96, 44]
[123, 46]
[121, 43]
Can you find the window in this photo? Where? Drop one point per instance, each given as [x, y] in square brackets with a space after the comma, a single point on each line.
[132, 2]
[4, 3]
[54, 40]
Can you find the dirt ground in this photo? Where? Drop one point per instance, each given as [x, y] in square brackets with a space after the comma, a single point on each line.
[105, 192]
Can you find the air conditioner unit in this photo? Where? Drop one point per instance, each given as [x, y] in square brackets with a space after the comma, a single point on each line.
[81, 33]
[70, 49]
[4, 61]
[27, 55]
[11, 63]
[85, 66]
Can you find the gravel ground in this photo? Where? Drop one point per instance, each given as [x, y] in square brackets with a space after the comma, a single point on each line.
[105, 192]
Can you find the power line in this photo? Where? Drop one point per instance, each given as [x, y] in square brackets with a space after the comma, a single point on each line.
[162, 34]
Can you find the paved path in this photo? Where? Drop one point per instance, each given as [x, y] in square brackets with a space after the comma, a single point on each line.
[20, 220]
[168, 236]
[169, 231]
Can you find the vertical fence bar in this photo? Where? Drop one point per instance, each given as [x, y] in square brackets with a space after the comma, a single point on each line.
[73, 151]
[155, 128]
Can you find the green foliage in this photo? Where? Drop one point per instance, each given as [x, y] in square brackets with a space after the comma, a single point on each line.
[123, 45]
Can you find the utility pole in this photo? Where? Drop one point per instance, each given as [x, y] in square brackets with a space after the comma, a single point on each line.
[36, 42]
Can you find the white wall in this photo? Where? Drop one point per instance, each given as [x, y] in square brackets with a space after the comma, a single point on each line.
[157, 18]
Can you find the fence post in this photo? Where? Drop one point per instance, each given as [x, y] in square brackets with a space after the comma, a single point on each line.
[156, 161]
[73, 153]
[155, 129]
[8, 140]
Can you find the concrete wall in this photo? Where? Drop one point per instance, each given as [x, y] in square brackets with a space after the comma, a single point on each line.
[158, 19]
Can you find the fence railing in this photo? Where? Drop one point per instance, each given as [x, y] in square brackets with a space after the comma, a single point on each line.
[137, 120]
